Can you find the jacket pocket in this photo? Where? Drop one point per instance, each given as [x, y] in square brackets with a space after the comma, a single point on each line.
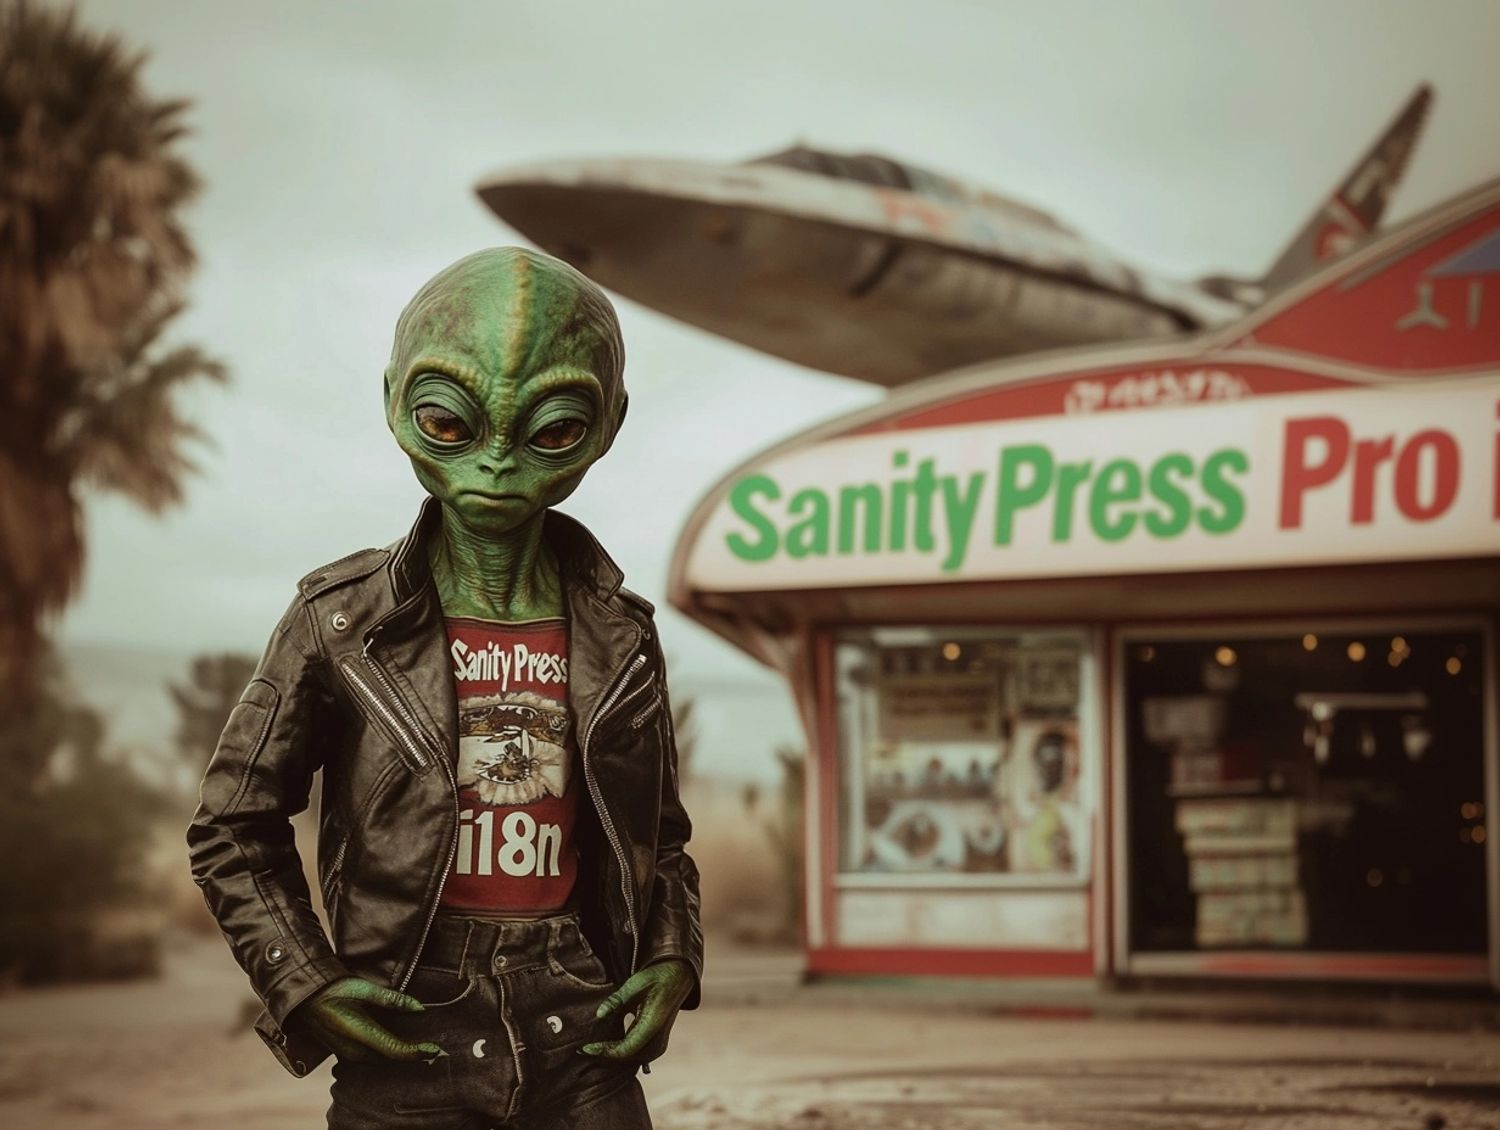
[642, 716]
[438, 988]
[332, 879]
[632, 696]
[409, 744]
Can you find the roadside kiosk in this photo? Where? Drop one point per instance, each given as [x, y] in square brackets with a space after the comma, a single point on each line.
[1162, 660]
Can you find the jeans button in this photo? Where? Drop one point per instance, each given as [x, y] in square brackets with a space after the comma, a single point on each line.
[500, 961]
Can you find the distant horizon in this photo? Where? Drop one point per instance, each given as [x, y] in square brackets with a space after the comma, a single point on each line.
[127, 685]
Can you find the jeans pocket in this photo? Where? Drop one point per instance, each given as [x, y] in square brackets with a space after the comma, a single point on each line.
[570, 958]
[438, 988]
[558, 1020]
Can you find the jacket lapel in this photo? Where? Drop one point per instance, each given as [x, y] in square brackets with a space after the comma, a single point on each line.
[601, 644]
[411, 640]
[601, 639]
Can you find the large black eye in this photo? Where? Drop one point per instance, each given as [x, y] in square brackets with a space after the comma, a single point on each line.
[559, 436]
[442, 425]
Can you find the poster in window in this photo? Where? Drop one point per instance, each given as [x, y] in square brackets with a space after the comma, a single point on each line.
[1038, 789]
[929, 776]
[1047, 678]
[954, 785]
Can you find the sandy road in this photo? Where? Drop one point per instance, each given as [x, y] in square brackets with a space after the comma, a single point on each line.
[173, 1054]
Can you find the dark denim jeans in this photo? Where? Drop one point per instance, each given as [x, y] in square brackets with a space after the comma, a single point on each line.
[511, 1003]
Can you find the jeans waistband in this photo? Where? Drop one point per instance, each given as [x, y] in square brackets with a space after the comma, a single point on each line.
[475, 945]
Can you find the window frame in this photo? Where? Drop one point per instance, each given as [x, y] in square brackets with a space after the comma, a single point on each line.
[848, 776]
[1296, 963]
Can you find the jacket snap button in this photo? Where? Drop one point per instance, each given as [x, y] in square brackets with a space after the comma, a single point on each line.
[339, 621]
[275, 953]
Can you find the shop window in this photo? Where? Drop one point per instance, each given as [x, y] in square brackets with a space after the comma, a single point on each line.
[960, 753]
[1314, 790]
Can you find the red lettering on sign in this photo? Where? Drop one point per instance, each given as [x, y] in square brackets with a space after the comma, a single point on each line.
[1368, 454]
[1317, 451]
[1445, 462]
[1298, 475]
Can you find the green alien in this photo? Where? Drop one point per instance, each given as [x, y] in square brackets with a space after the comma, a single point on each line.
[501, 839]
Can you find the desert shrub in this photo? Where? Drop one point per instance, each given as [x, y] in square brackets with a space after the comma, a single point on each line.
[75, 828]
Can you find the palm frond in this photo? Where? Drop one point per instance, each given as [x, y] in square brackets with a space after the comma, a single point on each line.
[93, 262]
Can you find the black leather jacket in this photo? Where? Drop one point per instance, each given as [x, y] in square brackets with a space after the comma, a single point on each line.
[357, 682]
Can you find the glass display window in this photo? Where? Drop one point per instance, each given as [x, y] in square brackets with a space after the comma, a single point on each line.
[1317, 788]
[961, 754]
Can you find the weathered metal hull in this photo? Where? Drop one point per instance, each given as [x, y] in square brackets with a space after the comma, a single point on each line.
[859, 299]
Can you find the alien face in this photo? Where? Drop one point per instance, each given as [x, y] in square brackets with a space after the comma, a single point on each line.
[504, 386]
[497, 451]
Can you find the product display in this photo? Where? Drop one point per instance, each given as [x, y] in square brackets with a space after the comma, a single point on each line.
[1313, 791]
[968, 759]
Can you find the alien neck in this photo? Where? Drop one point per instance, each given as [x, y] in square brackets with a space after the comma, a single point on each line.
[509, 577]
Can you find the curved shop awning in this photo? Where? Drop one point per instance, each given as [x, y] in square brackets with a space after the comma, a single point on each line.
[1353, 419]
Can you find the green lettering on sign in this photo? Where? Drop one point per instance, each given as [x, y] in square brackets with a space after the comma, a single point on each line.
[742, 502]
[1012, 494]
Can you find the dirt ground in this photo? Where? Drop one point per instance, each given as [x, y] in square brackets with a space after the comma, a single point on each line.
[175, 1053]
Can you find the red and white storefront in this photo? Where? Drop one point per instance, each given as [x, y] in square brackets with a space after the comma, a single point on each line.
[1158, 660]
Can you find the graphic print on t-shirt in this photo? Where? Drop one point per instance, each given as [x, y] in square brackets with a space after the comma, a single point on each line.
[517, 779]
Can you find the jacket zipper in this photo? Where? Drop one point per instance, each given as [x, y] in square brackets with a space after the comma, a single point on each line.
[626, 884]
[453, 839]
[336, 866]
[390, 688]
[437, 898]
[402, 714]
[636, 692]
[391, 718]
[640, 719]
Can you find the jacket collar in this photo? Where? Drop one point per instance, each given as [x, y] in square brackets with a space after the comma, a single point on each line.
[583, 561]
[601, 636]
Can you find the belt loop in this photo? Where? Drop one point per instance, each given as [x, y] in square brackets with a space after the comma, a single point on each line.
[463, 957]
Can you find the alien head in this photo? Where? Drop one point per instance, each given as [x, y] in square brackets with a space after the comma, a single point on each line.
[506, 383]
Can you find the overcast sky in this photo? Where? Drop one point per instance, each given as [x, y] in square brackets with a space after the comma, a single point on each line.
[341, 143]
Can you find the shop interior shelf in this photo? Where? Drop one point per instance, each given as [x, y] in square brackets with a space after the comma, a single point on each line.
[1218, 788]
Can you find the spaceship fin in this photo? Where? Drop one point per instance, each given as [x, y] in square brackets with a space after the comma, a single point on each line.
[1354, 208]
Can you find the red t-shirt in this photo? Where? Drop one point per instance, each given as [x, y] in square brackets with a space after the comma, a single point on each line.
[518, 773]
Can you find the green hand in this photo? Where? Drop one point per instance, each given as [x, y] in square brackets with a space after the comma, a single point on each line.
[337, 1017]
[656, 993]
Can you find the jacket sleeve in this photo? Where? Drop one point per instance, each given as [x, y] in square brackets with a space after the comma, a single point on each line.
[673, 928]
[240, 842]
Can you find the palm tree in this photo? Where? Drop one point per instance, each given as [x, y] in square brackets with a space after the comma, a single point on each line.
[93, 259]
